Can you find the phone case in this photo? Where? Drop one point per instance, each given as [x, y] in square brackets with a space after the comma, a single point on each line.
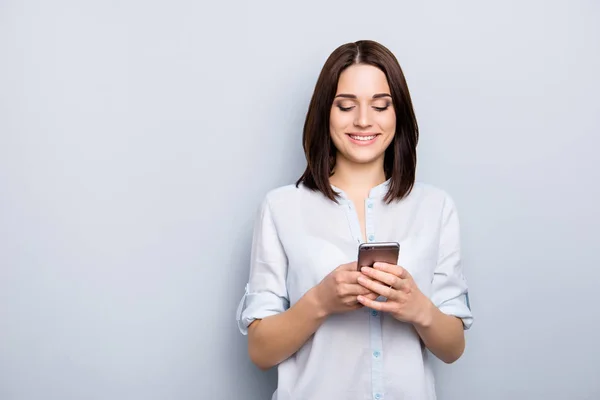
[369, 253]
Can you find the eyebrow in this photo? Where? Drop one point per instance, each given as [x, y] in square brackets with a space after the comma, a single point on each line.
[352, 96]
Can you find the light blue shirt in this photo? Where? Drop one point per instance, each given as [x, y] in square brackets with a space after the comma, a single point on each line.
[300, 236]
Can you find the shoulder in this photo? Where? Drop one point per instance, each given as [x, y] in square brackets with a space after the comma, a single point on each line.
[283, 194]
[432, 197]
[428, 191]
[281, 199]
[282, 205]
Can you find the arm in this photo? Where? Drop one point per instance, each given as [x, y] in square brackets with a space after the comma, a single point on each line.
[275, 330]
[442, 334]
[447, 314]
[275, 338]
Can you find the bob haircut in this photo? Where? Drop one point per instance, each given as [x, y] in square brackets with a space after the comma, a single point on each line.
[400, 159]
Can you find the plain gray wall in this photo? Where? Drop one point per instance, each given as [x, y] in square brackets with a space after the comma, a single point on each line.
[137, 139]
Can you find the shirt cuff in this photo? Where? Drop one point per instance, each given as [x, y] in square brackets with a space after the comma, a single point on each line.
[459, 307]
[258, 305]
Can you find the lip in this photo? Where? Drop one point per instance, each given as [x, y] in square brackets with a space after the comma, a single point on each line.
[362, 142]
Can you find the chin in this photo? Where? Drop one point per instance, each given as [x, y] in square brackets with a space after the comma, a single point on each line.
[363, 158]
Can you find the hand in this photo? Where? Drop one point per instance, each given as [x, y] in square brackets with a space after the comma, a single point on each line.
[405, 301]
[338, 291]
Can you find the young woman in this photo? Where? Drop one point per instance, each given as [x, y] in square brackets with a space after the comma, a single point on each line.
[333, 330]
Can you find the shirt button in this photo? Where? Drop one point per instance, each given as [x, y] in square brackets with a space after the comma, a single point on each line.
[376, 354]
[371, 238]
[374, 313]
[378, 396]
[370, 205]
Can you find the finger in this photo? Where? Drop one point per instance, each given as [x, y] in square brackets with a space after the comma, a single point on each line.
[383, 277]
[355, 289]
[375, 305]
[352, 301]
[351, 289]
[376, 287]
[371, 296]
[392, 269]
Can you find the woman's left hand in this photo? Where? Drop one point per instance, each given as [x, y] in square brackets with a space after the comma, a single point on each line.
[405, 301]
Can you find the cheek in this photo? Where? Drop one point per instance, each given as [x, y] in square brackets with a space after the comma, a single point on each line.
[388, 123]
[338, 122]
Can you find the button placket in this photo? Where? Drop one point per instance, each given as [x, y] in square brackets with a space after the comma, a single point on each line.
[353, 222]
[375, 317]
[369, 220]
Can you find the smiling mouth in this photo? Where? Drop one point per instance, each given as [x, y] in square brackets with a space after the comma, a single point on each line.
[363, 137]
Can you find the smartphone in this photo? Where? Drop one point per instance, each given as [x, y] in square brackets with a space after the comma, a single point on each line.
[370, 253]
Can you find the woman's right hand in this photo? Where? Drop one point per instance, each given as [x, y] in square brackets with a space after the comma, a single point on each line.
[337, 292]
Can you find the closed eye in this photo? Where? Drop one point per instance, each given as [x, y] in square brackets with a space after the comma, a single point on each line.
[381, 109]
[381, 106]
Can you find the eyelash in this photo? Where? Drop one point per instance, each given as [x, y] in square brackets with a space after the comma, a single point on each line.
[378, 109]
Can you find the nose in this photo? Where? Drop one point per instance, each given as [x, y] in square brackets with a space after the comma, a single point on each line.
[363, 119]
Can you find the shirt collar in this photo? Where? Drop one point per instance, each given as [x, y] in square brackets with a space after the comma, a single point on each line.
[376, 192]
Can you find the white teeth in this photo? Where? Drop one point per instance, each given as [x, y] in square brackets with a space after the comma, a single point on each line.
[363, 138]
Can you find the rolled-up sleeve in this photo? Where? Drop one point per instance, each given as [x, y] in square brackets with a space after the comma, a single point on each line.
[450, 291]
[266, 292]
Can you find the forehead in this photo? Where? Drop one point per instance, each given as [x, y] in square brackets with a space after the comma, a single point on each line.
[362, 80]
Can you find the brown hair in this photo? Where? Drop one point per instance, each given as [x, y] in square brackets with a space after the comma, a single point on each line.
[400, 160]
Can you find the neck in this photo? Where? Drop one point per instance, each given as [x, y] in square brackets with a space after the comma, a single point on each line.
[357, 179]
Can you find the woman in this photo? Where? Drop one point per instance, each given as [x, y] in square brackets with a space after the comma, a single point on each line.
[333, 330]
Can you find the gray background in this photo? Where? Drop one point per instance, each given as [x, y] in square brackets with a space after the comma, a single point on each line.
[137, 139]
